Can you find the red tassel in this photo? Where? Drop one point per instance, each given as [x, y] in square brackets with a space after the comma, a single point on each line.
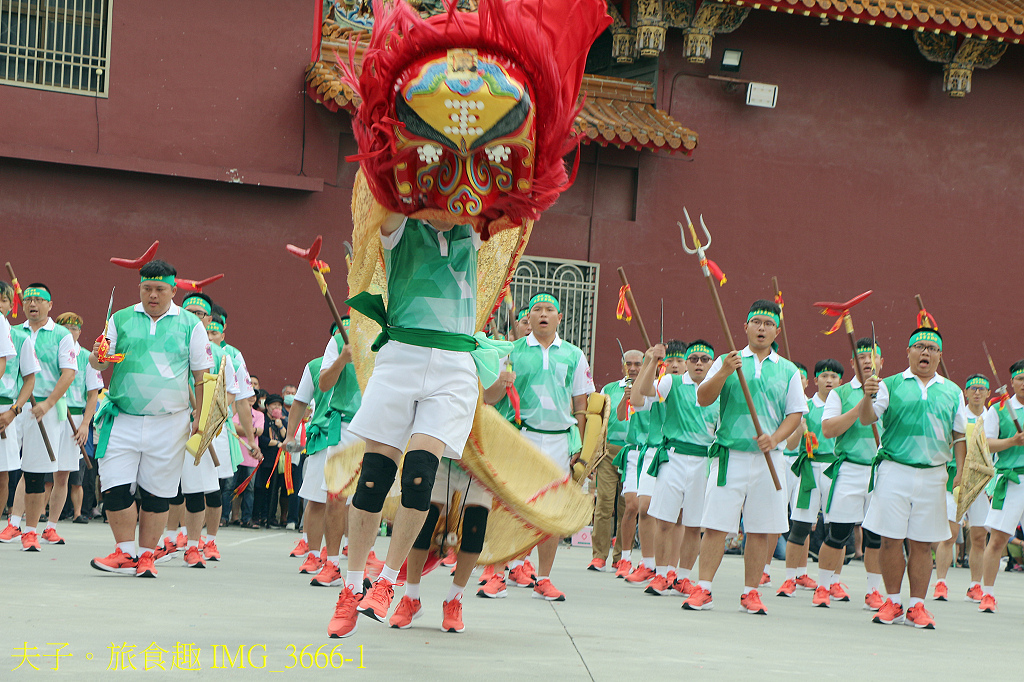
[274, 468]
[513, 397]
[622, 309]
[716, 272]
[839, 322]
[811, 443]
[778, 299]
[926, 320]
[245, 484]
[289, 484]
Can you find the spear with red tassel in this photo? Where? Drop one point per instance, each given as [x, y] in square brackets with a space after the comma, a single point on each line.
[319, 267]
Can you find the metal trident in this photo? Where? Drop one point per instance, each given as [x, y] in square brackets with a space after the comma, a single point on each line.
[698, 247]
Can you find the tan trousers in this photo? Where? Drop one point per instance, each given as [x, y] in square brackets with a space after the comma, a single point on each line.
[609, 488]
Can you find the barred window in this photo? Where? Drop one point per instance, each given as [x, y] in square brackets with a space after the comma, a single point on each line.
[60, 45]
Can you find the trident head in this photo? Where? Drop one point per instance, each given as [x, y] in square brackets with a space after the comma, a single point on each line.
[698, 248]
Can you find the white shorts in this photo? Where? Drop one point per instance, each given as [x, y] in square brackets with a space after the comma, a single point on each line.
[202, 477]
[419, 390]
[629, 482]
[10, 447]
[976, 514]
[222, 444]
[809, 515]
[681, 485]
[70, 453]
[554, 445]
[34, 457]
[908, 503]
[314, 486]
[452, 478]
[146, 452]
[790, 480]
[645, 483]
[748, 489]
[1007, 519]
[851, 496]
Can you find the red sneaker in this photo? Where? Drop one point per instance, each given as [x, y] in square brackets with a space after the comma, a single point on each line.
[408, 610]
[29, 542]
[181, 541]
[10, 533]
[145, 567]
[486, 575]
[786, 589]
[210, 551]
[202, 544]
[169, 546]
[194, 558]
[311, 566]
[50, 537]
[889, 613]
[838, 592]
[699, 600]
[530, 570]
[805, 582]
[821, 597]
[115, 562]
[301, 549]
[766, 580]
[684, 587]
[941, 592]
[545, 590]
[622, 568]
[494, 589]
[163, 555]
[751, 603]
[329, 576]
[974, 594]
[873, 601]
[344, 552]
[659, 586]
[988, 603]
[520, 577]
[596, 564]
[452, 621]
[449, 559]
[639, 576]
[344, 622]
[373, 566]
[919, 617]
[377, 601]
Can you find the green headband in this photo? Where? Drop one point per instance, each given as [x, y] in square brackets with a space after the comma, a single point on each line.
[700, 348]
[926, 335]
[1017, 373]
[544, 298]
[166, 279]
[523, 313]
[978, 382]
[675, 355]
[215, 327]
[827, 369]
[867, 349]
[803, 372]
[198, 302]
[771, 314]
[36, 292]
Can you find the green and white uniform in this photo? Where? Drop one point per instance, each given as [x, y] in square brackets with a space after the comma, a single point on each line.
[977, 513]
[16, 346]
[145, 422]
[739, 478]
[849, 476]
[627, 461]
[617, 430]
[1008, 494]
[55, 351]
[909, 496]
[805, 498]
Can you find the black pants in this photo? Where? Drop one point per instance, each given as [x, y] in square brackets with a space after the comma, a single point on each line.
[261, 496]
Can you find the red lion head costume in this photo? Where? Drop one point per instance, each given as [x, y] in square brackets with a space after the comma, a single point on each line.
[466, 116]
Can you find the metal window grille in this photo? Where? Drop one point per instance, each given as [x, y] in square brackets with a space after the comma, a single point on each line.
[60, 45]
[573, 283]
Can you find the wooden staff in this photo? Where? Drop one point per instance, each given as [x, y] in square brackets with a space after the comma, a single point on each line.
[311, 255]
[632, 306]
[929, 321]
[81, 448]
[699, 250]
[782, 318]
[31, 398]
[1003, 389]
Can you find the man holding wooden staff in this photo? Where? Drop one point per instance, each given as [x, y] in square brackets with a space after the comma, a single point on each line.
[739, 479]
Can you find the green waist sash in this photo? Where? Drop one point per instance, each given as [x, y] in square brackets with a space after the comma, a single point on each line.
[661, 455]
[486, 353]
[832, 471]
[951, 474]
[805, 472]
[550, 432]
[883, 455]
[76, 411]
[1004, 477]
[104, 420]
[6, 401]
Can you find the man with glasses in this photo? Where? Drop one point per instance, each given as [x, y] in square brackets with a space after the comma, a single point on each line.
[681, 464]
[739, 479]
[923, 416]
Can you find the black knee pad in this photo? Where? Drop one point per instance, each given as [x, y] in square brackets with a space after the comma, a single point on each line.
[798, 532]
[215, 500]
[474, 526]
[195, 502]
[35, 483]
[871, 540]
[151, 503]
[118, 498]
[838, 535]
[423, 539]
[375, 480]
[418, 474]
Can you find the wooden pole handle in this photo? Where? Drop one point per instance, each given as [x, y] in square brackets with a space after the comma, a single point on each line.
[81, 448]
[335, 313]
[782, 321]
[636, 312]
[42, 429]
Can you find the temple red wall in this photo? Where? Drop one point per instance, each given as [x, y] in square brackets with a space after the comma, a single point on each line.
[866, 176]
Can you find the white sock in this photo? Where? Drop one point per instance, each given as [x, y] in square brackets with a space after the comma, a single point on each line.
[747, 590]
[628, 555]
[768, 568]
[989, 590]
[940, 580]
[143, 550]
[790, 573]
[389, 574]
[182, 530]
[343, 543]
[127, 547]
[694, 574]
[336, 560]
[454, 592]
[801, 571]
[354, 581]
[704, 585]
[412, 591]
[15, 521]
[874, 582]
[193, 543]
[649, 563]
[169, 535]
[211, 536]
[974, 583]
[661, 570]
[541, 577]
[305, 537]
[513, 565]
[895, 599]
[28, 529]
[914, 601]
[50, 525]
[825, 578]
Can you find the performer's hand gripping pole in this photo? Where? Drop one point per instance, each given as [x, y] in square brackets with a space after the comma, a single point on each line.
[311, 255]
[1002, 391]
[699, 250]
